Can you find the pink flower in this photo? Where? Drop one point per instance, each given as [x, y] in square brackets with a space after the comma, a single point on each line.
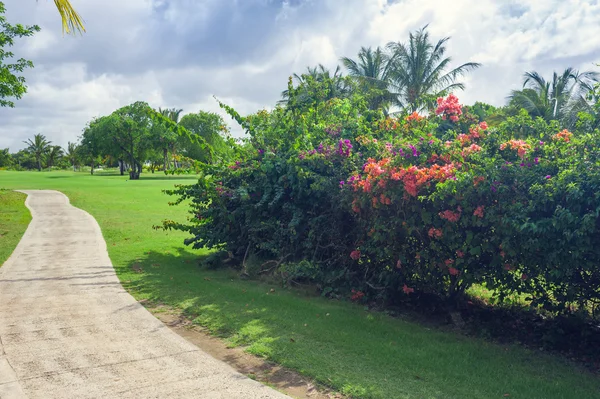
[453, 271]
[407, 290]
[355, 255]
[479, 211]
[448, 262]
[460, 254]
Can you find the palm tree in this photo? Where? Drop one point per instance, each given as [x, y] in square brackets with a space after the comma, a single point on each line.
[560, 99]
[372, 74]
[72, 154]
[71, 20]
[418, 71]
[55, 152]
[38, 147]
[169, 144]
[334, 84]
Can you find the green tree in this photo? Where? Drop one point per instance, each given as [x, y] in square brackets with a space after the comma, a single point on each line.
[72, 154]
[12, 86]
[38, 147]
[560, 99]
[418, 71]
[5, 158]
[167, 139]
[306, 94]
[211, 128]
[54, 154]
[371, 71]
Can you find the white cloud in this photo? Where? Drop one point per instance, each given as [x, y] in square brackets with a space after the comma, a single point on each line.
[179, 53]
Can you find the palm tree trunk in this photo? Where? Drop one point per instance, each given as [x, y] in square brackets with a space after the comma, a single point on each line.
[39, 164]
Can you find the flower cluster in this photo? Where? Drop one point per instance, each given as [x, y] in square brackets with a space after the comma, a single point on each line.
[451, 216]
[478, 131]
[356, 295]
[564, 135]
[449, 108]
[333, 130]
[521, 146]
[344, 147]
[414, 117]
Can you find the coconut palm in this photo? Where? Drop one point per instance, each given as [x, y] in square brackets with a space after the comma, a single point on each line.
[72, 154]
[371, 72]
[55, 152]
[39, 146]
[334, 83]
[418, 71]
[559, 99]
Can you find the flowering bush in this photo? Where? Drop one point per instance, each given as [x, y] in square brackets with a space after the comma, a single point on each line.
[396, 206]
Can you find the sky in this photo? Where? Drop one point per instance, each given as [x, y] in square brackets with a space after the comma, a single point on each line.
[183, 53]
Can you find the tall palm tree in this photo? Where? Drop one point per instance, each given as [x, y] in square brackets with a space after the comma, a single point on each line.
[55, 152]
[39, 146]
[418, 71]
[372, 74]
[170, 144]
[559, 99]
[71, 20]
[72, 154]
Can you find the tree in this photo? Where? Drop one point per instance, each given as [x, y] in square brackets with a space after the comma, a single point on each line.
[560, 99]
[371, 71]
[12, 86]
[72, 154]
[210, 127]
[336, 87]
[5, 158]
[167, 138]
[38, 147]
[418, 71]
[55, 152]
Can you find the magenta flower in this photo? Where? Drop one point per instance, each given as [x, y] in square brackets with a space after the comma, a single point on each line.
[548, 177]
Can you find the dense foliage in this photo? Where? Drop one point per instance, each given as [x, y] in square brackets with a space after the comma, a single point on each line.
[365, 204]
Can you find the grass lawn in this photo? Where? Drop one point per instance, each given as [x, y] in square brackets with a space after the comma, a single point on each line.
[14, 219]
[363, 354]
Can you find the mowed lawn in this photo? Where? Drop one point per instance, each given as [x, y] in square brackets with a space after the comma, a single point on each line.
[360, 353]
[14, 219]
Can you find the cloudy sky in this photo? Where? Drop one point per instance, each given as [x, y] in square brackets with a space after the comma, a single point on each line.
[181, 53]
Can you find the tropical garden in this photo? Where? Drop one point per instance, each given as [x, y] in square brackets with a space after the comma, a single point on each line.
[372, 183]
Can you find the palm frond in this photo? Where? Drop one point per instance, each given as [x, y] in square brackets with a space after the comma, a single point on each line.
[71, 20]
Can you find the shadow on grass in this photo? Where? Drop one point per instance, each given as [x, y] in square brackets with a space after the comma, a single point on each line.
[363, 354]
[169, 177]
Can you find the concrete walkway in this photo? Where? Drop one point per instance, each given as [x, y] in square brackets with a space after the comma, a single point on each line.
[69, 330]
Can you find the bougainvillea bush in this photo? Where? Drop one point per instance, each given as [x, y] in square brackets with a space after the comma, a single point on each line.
[392, 207]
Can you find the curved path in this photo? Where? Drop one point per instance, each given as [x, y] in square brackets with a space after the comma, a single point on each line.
[68, 329]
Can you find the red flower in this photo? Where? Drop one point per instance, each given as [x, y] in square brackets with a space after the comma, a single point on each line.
[460, 254]
[453, 271]
[355, 255]
[407, 290]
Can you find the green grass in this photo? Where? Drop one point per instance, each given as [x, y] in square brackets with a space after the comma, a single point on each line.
[363, 354]
[14, 219]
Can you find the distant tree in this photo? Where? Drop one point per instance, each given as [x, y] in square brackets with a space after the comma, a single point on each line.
[72, 154]
[54, 154]
[212, 129]
[560, 99]
[38, 147]
[167, 138]
[12, 86]
[5, 158]
[418, 71]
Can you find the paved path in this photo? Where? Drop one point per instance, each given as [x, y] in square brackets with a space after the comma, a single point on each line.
[69, 330]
